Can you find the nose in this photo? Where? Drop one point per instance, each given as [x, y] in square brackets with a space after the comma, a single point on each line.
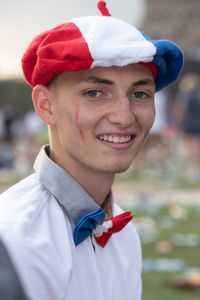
[122, 112]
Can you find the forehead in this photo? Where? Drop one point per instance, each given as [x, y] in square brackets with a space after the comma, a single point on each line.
[132, 73]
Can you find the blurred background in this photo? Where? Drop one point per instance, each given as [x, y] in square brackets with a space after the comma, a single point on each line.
[162, 186]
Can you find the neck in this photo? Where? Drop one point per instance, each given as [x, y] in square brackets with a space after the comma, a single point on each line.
[97, 184]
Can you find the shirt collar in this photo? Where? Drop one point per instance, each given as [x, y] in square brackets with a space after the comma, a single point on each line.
[67, 191]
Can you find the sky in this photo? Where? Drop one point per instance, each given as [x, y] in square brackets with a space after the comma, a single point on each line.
[22, 20]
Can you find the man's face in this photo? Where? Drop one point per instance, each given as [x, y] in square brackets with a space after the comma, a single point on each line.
[102, 118]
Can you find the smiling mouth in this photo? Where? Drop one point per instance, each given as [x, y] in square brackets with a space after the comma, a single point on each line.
[115, 138]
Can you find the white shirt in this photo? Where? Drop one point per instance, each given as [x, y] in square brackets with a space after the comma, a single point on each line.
[37, 217]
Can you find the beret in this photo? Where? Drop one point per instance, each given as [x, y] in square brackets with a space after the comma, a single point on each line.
[98, 41]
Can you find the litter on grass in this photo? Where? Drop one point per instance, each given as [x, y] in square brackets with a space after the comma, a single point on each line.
[163, 265]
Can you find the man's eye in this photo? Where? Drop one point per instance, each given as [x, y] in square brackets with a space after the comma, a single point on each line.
[93, 93]
[140, 95]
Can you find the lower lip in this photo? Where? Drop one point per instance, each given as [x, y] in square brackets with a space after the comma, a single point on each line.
[119, 146]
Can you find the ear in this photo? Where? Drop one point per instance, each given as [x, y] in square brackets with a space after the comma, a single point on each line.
[41, 97]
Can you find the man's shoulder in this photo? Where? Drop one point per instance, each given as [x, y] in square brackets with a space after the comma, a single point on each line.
[30, 219]
[22, 199]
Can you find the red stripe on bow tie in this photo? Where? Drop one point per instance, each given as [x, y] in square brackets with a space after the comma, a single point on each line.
[118, 223]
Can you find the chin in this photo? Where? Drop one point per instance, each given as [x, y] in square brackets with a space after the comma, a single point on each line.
[119, 168]
[122, 170]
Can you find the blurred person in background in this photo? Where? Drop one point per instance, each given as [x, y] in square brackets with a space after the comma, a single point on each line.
[187, 112]
[1, 124]
[94, 81]
[8, 122]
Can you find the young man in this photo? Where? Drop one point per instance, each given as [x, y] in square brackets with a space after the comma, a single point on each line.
[94, 80]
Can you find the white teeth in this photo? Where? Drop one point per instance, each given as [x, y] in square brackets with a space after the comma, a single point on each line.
[115, 139]
[105, 138]
[110, 138]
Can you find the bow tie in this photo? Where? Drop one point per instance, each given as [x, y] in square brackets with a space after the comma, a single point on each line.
[103, 232]
[87, 224]
[91, 223]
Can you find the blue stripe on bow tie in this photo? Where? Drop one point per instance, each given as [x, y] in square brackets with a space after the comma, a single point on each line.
[87, 224]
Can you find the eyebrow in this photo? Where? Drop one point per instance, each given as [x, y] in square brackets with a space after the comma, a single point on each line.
[146, 81]
[95, 79]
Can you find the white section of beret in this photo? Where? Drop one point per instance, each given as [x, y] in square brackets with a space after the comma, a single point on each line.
[113, 42]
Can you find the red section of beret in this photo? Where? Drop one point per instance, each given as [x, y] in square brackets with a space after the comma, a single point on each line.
[61, 49]
[153, 68]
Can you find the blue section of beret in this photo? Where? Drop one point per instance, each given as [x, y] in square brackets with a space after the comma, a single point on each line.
[169, 60]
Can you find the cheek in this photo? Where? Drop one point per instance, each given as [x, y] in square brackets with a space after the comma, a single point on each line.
[147, 117]
[78, 122]
[66, 122]
[85, 120]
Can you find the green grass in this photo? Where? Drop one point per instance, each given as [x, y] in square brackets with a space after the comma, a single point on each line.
[155, 284]
[155, 288]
